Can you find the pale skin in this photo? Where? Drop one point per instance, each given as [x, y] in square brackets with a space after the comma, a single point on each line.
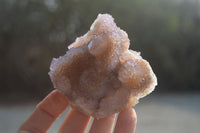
[48, 110]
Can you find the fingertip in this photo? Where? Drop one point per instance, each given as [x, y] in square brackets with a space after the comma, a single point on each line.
[75, 122]
[46, 112]
[126, 121]
[54, 104]
[131, 113]
[103, 125]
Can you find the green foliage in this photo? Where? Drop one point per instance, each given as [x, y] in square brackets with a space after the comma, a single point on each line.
[33, 32]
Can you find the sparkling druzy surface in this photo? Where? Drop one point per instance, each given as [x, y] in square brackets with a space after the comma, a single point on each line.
[99, 75]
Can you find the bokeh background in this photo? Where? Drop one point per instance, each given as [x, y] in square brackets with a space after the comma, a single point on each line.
[166, 32]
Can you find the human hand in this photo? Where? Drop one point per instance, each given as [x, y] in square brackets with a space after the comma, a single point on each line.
[47, 111]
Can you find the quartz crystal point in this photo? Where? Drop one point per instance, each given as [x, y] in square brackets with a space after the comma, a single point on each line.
[99, 75]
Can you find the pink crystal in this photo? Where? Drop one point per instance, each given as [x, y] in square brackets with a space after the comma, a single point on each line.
[98, 74]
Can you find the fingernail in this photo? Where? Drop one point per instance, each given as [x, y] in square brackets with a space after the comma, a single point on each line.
[23, 131]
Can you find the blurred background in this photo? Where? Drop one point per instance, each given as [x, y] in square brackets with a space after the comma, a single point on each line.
[166, 32]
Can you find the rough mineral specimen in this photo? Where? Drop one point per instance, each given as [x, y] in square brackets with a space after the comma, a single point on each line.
[98, 74]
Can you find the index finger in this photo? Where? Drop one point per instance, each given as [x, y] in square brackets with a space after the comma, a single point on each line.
[45, 113]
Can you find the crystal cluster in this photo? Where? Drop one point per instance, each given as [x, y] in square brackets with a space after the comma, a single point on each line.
[99, 75]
